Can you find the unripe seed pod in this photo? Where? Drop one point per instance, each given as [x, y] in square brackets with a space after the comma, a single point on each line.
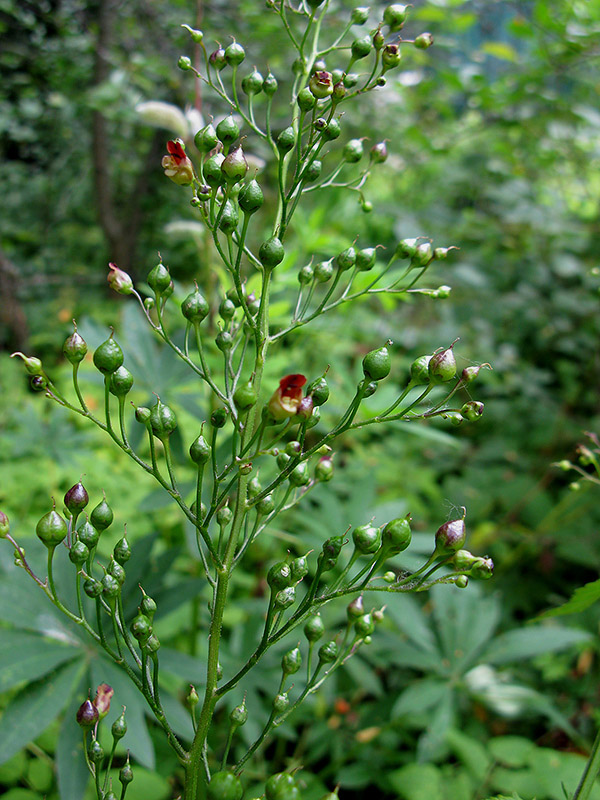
[463, 560]
[95, 752]
[299, 476]
[51, 529]
[364, 625]
[224, 341]
[312, 171]
[423, 255]
[367, 539]
[319, 391]
[239, 714]
[396, 535]
[356, 608]
[254, 487]
[110, 587]
[119, 727]
[4, 525]
[328, 652]
[152, 644]
[337, 75]
[324, 271]
[299, 569]
[271, 253]
[377, 364]
[265, 506]
[306, 99]
[141, 627]
[192, 698]
[279, 576]
[122, 552]
[470, 373]
[162, 420]
[77, 498]
[324, 469]
[224, 786]
[286, 139]
[227, 131]
[229, 218]
[159, 278]
[252, 83]
[87, 715]
[346, 259]
[200, 450]
[305, 275]
[291, 661]
[315, 418]
[225, 515]
[365, 259]
[406, 248]
[360, 48]
[280, 787]
[194, 308]
[483, 568]
[218, 418]
[251, 197]
[379, 153]
[419, 371]
[332, 547]
[321, 84]
[332, 131]
[33, 366]
[148, 607]
[450, 536]
[395, 16]
[75, 348]
[442, 366]
[353, 151]
[359, 15]
[282, 460]
[108, 357]
[217, 59]
[285, 598]
[293, 448]
[423, 41]
[126, 774]
[234, 166]
[101, 517]
[314, 628]
[281, 702]
[350, 80]
[245, 397]
[212, 170]
[390, 56]
[38, 383]
[378, 39]
[270, 85]
[92, 587]
[121, 382]
[202, 510]
[206, 139]
[78, 553]
[117, 571]
[461, 582]
[234, 54]
[472, 410]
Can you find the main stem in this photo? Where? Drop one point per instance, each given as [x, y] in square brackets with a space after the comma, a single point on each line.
[195, 778]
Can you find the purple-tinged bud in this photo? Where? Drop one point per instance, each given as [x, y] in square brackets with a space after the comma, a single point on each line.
[391, 56]
[75, 347]
[4, 525]
[379, 153]
[305, 407]
[483, 568]
[217, 59]
[339, 91]
[119, 280]
[324, 469]
[472, 410]
[450, 536]
[234, 166]
[192, 699]
[470, 373]
[442, 366]
[356, 608]
[378, 39]
[32, 365]
[76, 498]
[104, 694]
[321, 84]
[424, 40]
[87, 715]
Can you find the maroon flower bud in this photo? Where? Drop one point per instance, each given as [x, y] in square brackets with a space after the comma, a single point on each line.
[217, 58]
[177, 165]
[442, 366]
[104, 694]
[305, 407]
[118, 280]
[379, 153]
[87, 714]
[450, 536]
[470, 373]
[234, 167]
[76, 498]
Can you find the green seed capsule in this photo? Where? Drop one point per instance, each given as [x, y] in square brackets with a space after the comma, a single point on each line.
[419, 371]
[234, 166]
[359, 15]
[377, 364]
[218, 418]
[245, 397]
[141, 628]
[423, 41]
[252, 83]
[224, 341]
[121, 382]
[95, 752]
[122, 551]
[350, 80]
[78, 553]
[360, 48]
[224, 786]
[324, 469]
[212, 170]
[108, 357]
[450, 536]
[152, 644]
[367, 539]
[200, 450]
[239, 715]
[286, 139]
[159, 279]
[229, 218]
[279, 576]
[346, 259]
[291, 661]
[396, 535]
[356, 608]
[265, 506]
[51, 529]
[285, 598]
[126, 774]
[251, 197]
[364, 625]
[365, 259]
[119, 727]
[319, 391]
[324, 271]
[194, 308]
[312, 171]
[328, 652]
[227, 131]
[472, 410]
[4, 525]
[271, 253]
[206, 139]
[162, 420]
[395, 16]
[75, 348]
[390, 56]
[353, 151]
[300, 476]
[280, 786]
[225, 515]
[234, 55]
[442, 366]
[217, 59]
[314, 628]
[305, 275]
[270, 85]
[110, 587]
[299, 568]
[282, 460]
[92, 587]
[332, 131]
[117, 571]
[281, 702]
[148, 607]
[306, 99]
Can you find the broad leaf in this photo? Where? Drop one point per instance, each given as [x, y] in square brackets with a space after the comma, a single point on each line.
[419, 697]
[26, 656]
[524, 643]
[582, 598]
[73, 774]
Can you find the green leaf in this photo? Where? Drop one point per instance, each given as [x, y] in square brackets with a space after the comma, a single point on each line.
[500, 50]
[512, 751]
[33, 709]
[73, 775]
[582, 598]
[525, 643]
[419, 697]
[25, 657]
[470, 751]
[417, 782]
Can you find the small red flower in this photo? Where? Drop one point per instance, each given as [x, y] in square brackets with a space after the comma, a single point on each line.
[286, 399]
[104, 694]
[177, 165]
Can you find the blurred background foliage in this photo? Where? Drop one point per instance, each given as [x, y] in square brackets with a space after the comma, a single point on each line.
[494, 140]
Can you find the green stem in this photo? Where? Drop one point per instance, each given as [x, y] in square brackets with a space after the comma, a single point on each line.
[590, 773]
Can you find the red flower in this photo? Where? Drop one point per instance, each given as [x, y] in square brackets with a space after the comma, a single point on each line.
[177, 165]
[104, 694]
[286, 399]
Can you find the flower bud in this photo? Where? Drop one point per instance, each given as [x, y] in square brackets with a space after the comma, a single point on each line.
[217, 59]
[367, 539]
[450, 536]
[104, 694]
[423, 41]
[234, 54]
[184, 63]
[76, 498]
[470, 373]
[252, 83]
[235, 166]
[442, 366]
[390, 56]
[324, 469]
[192, 699]
[196, 34]
[119, 280]
[291, 661]
[33, 365]
[353, 151]
[395, 16]
[87, 715]
[4, 525]
[177, 165]
[377, 364]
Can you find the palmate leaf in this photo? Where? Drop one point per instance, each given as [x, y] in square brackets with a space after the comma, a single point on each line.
[33, 709]
[582, 598]
[24, 657]
[525, 643]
